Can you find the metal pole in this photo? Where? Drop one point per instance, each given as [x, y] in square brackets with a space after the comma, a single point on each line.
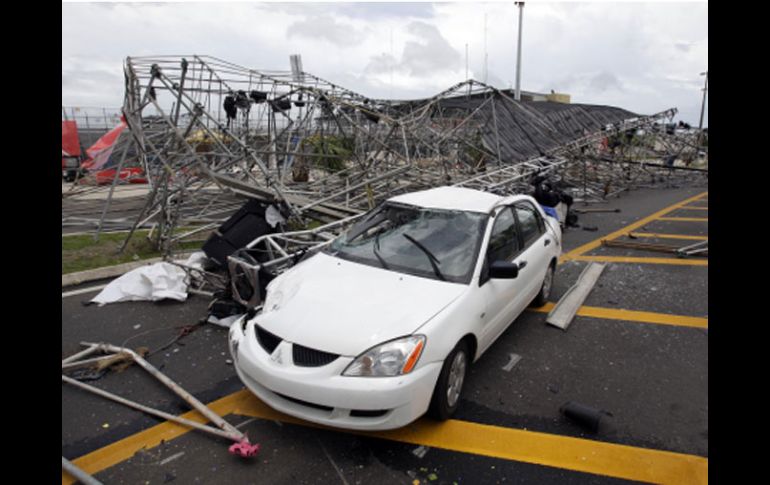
[703, 106]
[518, 54]
[77, 473]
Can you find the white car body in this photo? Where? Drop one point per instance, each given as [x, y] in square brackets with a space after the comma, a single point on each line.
[342, 307]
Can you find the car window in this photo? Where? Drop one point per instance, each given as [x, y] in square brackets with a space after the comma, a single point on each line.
[531, 224]
[432, 243]
[503, 242]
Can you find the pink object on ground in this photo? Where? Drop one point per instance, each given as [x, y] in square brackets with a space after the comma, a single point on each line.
[244, 449]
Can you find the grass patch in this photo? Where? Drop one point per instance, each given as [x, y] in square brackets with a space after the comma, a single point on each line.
[80, 252]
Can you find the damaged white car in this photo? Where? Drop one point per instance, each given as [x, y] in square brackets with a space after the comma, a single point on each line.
[381, 326]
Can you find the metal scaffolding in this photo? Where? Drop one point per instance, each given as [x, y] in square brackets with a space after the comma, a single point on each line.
[209, 133]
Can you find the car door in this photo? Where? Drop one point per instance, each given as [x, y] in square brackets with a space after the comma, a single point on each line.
[501, 296]
[534, 256]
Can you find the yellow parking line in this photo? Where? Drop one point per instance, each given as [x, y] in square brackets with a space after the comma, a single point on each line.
[576, 454]
[684, 219]
[620, 232]
[582, 455]
[633, 316]
[635, 260]
[694, 208]
[670, 236]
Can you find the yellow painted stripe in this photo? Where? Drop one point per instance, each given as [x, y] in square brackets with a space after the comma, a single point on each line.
[633, 316]
[684, 219]
[694, 208]
[608, 459]
[575, 454]
[634, 260]
[658, 235]
[620, 232]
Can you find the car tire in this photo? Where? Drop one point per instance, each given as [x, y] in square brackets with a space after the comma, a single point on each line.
[446, 395]
[545, 289]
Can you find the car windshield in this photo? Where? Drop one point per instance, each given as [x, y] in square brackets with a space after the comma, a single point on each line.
[431, 243]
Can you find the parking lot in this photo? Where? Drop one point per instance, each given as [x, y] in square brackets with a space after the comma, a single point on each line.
[637, 349]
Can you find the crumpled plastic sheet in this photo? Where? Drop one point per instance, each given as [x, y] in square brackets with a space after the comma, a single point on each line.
[148, 283]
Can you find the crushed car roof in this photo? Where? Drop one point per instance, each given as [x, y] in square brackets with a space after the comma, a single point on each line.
[450, 198]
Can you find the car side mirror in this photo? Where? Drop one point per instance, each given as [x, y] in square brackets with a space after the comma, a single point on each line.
[503, 270]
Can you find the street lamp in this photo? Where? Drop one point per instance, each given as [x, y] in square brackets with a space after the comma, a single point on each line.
[703, 106]
[518, 55]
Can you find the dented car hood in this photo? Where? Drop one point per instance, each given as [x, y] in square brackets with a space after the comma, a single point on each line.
[338, 306]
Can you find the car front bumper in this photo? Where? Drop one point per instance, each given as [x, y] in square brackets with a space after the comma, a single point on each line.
[322, 395]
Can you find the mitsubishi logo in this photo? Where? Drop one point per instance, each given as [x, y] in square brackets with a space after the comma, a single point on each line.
[277, 356]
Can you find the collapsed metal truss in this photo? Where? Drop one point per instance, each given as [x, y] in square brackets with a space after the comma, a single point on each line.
[208, 132]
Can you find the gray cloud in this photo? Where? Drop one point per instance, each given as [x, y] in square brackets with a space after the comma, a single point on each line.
[604, 81]
[380, 64]
[431, 53]
[326, 28]
[375, 10]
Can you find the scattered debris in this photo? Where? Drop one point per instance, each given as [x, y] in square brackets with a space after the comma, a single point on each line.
[661, 248]
[564, 311]
[420, 451]
[171, 458]
[583, 415]
[306, 148]
[241, 447]
[699, 248]
[513, 360]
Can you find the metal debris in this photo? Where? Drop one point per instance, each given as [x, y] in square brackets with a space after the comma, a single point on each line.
[241, 447]
[562, 314]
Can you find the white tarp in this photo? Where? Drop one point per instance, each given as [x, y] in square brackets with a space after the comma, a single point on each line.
[152, 282]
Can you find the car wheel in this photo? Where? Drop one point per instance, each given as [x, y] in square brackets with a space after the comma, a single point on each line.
[545, 290]
[446, 395]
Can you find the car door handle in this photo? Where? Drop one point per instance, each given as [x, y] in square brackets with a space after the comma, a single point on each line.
[522, 264]
[547, 242]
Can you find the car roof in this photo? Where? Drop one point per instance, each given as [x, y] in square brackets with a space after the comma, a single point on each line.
[451, 198]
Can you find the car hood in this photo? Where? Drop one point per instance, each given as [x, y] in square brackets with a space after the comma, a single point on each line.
[345, 308]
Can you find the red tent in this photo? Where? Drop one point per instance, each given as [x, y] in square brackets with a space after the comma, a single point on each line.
[99, 153]
[70, 142]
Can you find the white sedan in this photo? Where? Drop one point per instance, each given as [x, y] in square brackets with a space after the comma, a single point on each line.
[381, 325]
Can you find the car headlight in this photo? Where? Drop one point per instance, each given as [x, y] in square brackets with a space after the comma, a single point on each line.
[397, 357]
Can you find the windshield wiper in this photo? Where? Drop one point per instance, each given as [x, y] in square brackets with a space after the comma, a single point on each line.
[377, 253]
[434, 262]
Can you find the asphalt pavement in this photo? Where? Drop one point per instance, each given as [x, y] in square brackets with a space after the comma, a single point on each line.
[650, 378]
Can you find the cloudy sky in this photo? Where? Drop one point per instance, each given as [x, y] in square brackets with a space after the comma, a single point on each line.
[641, 56]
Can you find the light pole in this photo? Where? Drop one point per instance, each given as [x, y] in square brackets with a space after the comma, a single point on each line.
[518, 54]
[703, 106]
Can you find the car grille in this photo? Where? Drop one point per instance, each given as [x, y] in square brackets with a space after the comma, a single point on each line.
[267, 340]
[305, 357]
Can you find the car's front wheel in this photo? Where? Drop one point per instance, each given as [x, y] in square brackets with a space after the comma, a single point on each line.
[446, 395]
